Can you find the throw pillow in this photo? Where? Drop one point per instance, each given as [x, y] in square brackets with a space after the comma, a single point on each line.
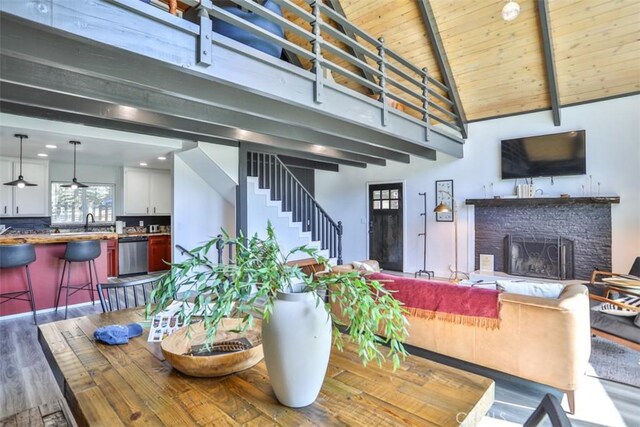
[616, 310]
[362, 266]
[534, 289]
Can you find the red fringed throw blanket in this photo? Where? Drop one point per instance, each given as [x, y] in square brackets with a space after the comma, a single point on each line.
[429, 299]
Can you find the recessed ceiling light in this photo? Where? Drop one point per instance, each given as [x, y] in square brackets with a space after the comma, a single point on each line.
[142, 164]
[162, 158]
[43, 155]
[51, 146]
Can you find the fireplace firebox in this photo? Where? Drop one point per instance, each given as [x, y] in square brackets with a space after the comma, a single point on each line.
[548, 257]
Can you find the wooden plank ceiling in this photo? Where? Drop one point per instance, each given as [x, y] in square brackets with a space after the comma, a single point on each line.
[499, 66]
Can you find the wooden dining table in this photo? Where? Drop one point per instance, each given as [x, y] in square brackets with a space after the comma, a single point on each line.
[132, 383]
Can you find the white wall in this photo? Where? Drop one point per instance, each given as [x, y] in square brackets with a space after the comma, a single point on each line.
[199, 212]
[261, 210]
[613, 159]
[91, 174]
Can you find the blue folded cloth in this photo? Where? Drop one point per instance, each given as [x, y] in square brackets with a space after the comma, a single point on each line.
[117, 334]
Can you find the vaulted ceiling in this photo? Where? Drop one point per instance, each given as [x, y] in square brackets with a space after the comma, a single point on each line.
[498, 66]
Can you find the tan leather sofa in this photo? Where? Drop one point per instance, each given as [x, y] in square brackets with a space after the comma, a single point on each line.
[539, 339]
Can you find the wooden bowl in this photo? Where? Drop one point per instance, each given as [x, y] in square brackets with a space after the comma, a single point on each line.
[177, 344]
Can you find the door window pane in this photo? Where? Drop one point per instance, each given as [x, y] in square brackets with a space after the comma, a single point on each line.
[376, 204]
[394, 194]
[385, 204]
[394, 204]
[385, 194]
[376, 194]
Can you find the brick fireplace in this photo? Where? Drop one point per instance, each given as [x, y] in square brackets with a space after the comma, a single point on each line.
[552, 237]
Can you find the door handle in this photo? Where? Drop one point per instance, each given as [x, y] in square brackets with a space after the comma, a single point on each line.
[147, 210]
[5, 209]
[17, 209]
[154, 209]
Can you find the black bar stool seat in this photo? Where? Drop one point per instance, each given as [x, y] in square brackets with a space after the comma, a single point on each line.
[83, 251]
[15, 256]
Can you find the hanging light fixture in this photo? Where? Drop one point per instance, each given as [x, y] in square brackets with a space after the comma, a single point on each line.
[74, 184]
[20, 182]
[510, 11]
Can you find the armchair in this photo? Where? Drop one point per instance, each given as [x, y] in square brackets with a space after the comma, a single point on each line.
[624, 330]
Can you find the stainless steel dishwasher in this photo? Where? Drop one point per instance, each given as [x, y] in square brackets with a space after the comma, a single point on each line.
[132, 255]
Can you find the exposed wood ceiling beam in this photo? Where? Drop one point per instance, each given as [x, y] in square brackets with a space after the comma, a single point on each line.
[337, 6]
[56, 106]
[312, 156]
[429, 20]
[552, 78]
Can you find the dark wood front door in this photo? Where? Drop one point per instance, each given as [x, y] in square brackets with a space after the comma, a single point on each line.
[385, 225]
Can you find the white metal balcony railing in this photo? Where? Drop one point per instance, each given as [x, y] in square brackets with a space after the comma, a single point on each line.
[391, 77]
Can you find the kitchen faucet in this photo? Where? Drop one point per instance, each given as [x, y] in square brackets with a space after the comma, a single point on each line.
[86, 221]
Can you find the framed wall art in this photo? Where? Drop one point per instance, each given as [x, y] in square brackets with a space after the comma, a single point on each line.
[444, 194]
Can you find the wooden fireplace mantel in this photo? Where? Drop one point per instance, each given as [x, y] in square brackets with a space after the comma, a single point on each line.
[543, 201]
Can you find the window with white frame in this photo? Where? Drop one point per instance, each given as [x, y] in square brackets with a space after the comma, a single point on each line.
[69, 206]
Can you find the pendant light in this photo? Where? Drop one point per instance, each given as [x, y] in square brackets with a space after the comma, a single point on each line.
[74, 184]
[20, 182]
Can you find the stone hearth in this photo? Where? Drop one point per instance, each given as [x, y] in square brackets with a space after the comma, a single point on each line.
[584, 221]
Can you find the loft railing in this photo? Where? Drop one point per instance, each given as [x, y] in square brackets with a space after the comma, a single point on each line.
[390, 78]
[273, 175]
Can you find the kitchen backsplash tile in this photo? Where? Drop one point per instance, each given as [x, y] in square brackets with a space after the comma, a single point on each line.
[134, 221]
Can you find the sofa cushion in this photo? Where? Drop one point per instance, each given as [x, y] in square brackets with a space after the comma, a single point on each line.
[534, 289]
[619, 326]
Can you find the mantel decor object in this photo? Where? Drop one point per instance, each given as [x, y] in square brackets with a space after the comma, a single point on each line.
[297, 324]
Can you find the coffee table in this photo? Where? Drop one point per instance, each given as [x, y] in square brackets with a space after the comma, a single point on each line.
[132, 383]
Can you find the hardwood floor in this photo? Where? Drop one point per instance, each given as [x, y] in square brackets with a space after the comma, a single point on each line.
[26, 382]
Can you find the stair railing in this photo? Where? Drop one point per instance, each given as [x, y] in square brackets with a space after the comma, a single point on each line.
[274, 175]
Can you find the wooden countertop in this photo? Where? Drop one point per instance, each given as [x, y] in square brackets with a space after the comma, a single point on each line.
[142, 235]
[40, 239]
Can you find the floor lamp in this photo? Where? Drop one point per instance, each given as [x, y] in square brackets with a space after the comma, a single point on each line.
[442, 208]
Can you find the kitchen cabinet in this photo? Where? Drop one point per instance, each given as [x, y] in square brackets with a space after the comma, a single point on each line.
[27, 201]
[112, 258]
[159, 251]
[147, 192]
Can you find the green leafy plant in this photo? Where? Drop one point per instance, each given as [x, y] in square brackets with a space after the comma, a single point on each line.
[247, 287]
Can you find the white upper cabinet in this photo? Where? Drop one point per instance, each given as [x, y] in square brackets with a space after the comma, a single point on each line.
[6, 192]
[160, 192]
[27, 201]
[147, 192]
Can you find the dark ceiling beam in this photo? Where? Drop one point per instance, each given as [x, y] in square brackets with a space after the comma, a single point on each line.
[67, 117]
[54, 83]
[124, 78]
[95, 113]
[550, 63]
[303, 155]
[337, 6]
[429, 20]
[309, 164]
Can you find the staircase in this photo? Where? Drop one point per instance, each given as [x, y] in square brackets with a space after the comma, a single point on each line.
[288, 197]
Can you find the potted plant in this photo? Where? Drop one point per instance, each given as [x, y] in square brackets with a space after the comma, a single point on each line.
[297, 324]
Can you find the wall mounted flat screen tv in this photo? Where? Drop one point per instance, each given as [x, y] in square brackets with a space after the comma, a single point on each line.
[544, 155]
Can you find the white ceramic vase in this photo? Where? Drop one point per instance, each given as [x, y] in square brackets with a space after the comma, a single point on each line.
[297, 342]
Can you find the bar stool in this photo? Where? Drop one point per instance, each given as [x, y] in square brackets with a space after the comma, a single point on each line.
[14, 256]
[84, 251]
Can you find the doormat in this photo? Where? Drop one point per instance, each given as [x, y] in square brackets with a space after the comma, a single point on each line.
[612, 361]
